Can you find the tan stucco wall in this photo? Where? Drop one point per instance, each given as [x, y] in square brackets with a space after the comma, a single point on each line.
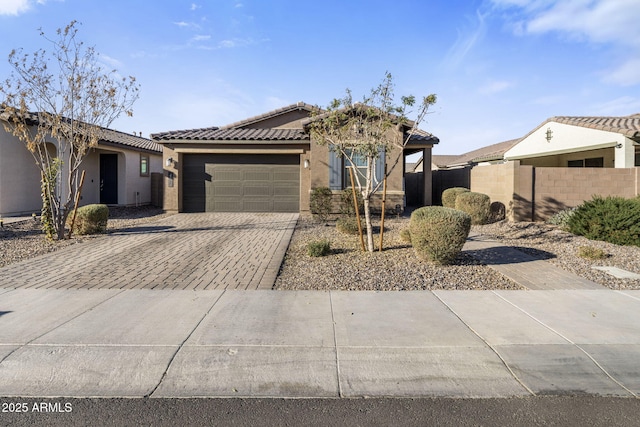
[171, 202]
[19, 178]
[530, 193]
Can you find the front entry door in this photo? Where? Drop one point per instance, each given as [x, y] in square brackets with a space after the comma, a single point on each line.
[109, 179]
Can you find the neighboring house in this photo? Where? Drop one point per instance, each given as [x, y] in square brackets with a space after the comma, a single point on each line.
[455, 170]
[486, 155]
[118, 172]
[267, 163]
[610, 142]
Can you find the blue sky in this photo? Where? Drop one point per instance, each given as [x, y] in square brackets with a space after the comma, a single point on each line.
[499, 67]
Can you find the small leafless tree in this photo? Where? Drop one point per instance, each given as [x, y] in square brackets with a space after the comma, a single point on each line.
[360, 131]
[65, 97]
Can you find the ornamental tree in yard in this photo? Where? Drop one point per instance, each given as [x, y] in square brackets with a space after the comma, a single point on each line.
[67, 96]
[360, 131]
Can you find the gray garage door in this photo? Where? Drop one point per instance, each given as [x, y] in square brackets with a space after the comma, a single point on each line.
[241, 183]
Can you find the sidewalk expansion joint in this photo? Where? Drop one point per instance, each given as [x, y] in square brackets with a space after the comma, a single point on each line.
[497, 353]
[335, 343]
[182, 344]
[586, 353]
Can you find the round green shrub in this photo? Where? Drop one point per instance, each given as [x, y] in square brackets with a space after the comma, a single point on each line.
[610, 219]
[320, 203]
[450, 195]
[318, 248]
[91, 219]
[438, 233]
[561, 218]
[347, 225]
[477, 205]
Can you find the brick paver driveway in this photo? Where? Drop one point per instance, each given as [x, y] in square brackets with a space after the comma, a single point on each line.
[184, 251]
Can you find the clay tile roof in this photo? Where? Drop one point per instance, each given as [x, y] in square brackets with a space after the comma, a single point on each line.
[483, 154]
[115, 137]
[626, 125]
[225, 134]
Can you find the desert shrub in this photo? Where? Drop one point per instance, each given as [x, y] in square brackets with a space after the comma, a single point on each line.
[450, 195]
[611, 219]
[590, 252]
[497, 212]
[318, 248]
[91, 219]
[347, 225]
[346, 202]
[438, 233]
[561, 218]
[477, 205]
[320, 203]
[405, 235]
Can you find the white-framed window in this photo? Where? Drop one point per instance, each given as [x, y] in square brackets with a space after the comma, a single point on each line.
[144, 164]
[339, 166]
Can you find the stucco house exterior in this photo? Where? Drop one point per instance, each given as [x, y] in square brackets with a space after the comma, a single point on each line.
[118, 172]
[267, 163]
[610, 142]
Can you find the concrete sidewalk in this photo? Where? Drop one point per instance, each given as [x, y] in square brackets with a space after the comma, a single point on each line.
[527, 271]
[172, 343]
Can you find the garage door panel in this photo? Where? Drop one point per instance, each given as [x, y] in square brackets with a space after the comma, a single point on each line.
[258, 189]
[226, 189]
[226, 174]
[241, 183]
[258, 175]
[287, 175]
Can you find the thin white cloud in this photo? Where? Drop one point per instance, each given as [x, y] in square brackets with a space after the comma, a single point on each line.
[112, 62]
[599, 21]
[626, 74]
[612, 23]
[195, 6]
[188, 25]
[623, 106]
[14, 7]
[466, 42]
[201, 38]
[494, 87]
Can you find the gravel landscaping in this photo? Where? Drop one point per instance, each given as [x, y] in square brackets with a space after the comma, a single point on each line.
[395, 268]
[398, 268]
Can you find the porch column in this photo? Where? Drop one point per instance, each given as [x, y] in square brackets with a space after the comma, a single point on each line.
[427, 196]
[625, 155]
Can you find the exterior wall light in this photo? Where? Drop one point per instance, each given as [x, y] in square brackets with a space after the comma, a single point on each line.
[169, 162]
[549, 134]
[619, 146]
[306, 163]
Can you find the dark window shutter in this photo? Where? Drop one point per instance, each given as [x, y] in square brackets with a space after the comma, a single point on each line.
[335, 170]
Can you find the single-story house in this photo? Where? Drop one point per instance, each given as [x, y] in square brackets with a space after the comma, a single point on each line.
[610, 142]
[267, 163]
[118, 172]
